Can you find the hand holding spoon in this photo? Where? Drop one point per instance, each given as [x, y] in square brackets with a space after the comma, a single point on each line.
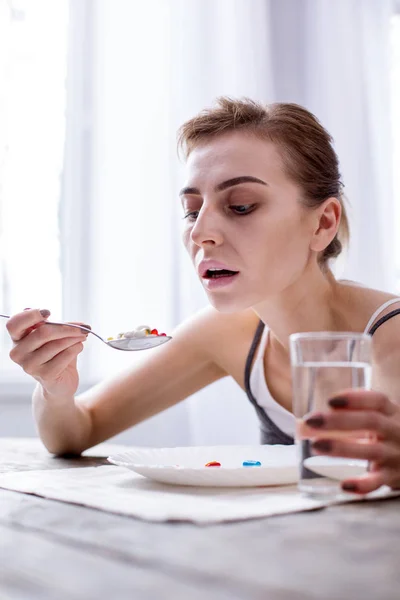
[121, 343]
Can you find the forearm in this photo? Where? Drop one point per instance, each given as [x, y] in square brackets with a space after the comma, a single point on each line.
[64, 425]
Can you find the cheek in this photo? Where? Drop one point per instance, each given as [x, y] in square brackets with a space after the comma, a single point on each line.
[185, 236]
[291, 231]
[187, 242]
[284, 244]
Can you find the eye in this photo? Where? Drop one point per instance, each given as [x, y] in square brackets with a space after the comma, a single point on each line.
[191, 216]
[237, 209]
[242, 209]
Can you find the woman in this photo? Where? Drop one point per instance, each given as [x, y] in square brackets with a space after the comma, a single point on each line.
[263, 217]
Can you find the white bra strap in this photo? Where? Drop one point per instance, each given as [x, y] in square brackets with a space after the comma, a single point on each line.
[262, 344]
[378, 312]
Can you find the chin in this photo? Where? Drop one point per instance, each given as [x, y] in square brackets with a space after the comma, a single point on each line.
[236, 302]
[228, 304]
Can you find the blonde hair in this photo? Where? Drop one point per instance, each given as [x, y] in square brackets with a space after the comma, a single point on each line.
[305, 146]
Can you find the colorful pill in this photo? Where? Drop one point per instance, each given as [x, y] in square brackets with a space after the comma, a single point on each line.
[213, 463]
[154, 332]
[109, 339]
[251, 463]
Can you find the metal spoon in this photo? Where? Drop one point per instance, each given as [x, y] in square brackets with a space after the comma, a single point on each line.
[143, 343]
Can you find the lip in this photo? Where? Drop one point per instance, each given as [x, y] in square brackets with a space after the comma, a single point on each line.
[206, 264]
[216, 284]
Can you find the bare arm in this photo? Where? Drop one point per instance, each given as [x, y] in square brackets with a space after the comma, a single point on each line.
[386, 359]
[163, 378]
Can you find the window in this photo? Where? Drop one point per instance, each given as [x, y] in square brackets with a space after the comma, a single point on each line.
[396, 130]
[33, 59]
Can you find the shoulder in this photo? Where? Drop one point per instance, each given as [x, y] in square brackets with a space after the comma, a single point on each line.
[386, 356]
[359, 304]
[386, 339]
[366, 298]
[224, 338]
[363, 302]
[208, 326]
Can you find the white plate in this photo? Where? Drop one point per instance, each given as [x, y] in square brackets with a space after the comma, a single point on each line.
[336, 468]
[186, 465]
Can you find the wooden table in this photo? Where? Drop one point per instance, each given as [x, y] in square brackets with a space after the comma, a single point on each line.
[52, 550]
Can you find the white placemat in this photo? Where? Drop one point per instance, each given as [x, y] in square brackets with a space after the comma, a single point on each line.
[114, 489]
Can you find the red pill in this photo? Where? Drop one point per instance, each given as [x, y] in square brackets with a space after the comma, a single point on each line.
[213, 463]
[154, 332]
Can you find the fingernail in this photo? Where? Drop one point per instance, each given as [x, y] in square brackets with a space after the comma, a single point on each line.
[27, 309]
[349, 487]
[45, 313]
[322, 445]
[339, 402]
[315, 421]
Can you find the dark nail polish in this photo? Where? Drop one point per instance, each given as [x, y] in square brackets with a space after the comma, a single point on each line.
[316, 421]
[45, 313]
[322, 445]
[27, 309]
[349, 487]
[339, 402]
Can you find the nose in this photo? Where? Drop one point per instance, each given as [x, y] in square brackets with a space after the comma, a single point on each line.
[206, 230]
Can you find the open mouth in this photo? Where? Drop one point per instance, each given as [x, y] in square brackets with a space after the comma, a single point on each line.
[218, 273]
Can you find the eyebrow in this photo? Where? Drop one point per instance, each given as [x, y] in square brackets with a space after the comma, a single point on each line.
[225, 184]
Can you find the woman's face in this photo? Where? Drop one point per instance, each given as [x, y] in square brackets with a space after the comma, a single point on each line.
[243, 214]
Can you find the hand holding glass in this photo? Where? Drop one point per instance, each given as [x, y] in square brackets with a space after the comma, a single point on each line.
[323, 365]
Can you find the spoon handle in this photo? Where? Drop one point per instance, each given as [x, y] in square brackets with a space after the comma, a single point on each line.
[81, 327]
[68, 325]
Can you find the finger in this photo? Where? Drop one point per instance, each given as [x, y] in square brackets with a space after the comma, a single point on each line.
[364, 484]
[19, 325]
[34, 362]
[353, 399]
[40, 337]
[33, 326]
[31, 329]
[378, 451]
[83, 325]
[352, 420]
[57, 365]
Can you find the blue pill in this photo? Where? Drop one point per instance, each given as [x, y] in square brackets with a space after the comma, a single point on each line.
[251, 463]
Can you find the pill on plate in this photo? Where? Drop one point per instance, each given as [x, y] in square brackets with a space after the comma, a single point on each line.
[213, 463]
[251, 463]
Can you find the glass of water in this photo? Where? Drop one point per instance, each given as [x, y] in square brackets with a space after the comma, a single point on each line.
[324, 364]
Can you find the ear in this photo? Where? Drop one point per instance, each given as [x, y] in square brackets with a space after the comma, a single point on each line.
[327, 224]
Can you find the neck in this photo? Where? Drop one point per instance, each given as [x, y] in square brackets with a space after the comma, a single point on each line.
[308, 304]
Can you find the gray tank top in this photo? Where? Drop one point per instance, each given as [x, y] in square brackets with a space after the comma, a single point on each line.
[270, 432]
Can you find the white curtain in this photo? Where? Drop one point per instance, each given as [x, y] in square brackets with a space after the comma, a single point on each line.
[32, 113]
[334, 58]
[158, 63]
